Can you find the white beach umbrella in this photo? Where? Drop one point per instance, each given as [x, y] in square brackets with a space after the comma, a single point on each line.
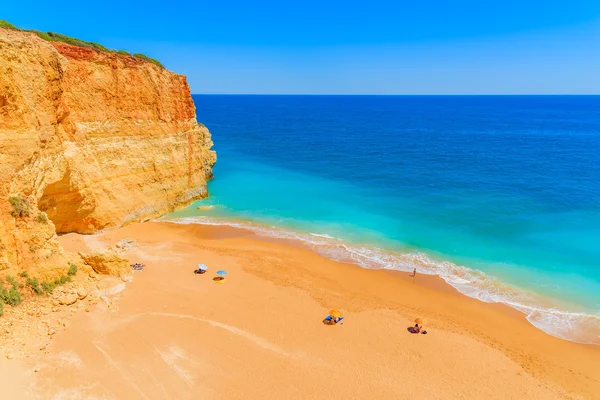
[202, 267]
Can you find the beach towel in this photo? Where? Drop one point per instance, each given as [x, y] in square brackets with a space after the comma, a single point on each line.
[328, 318]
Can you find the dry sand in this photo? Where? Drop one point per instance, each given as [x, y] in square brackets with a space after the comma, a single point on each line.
[176, 335]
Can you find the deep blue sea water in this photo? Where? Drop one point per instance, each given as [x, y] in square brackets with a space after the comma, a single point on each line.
[499, 195]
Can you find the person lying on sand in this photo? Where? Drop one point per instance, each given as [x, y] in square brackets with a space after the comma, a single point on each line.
[332, 320]
[417, 329]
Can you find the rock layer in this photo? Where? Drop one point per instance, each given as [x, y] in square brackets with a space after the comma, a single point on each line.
[94, 140]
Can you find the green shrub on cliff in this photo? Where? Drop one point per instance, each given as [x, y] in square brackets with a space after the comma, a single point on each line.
[20, 206]
[42, 35]
[13, 282]
[98, 46]
[72, 269]
[42, 218]
[57, 37]
[62, 280]
[3, 293]
[7, 25]
[11, 296]
[146, 58]
[48, 287]
[35, 286]
[14, 297]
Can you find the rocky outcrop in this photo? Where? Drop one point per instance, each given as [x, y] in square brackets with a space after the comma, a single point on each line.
[107, 263]
[93, 140]
[30, 243]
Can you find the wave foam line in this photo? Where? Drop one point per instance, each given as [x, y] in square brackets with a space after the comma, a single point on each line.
[574, 326]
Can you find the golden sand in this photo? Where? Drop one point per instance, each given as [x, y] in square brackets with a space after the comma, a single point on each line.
[260, 335]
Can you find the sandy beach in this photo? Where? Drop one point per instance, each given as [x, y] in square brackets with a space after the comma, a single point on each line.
[175, 335]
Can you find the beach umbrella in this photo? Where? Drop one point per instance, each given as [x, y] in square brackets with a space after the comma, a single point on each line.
[202, 267]
[335, 313]
[419, 321]
[221, 272]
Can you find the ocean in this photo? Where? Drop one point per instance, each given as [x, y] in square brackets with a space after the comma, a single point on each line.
[498, 195]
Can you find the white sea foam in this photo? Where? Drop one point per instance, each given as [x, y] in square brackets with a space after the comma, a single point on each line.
[552, 319]
[323, 235]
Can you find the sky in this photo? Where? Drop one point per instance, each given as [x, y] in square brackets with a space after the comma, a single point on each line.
[345, 47]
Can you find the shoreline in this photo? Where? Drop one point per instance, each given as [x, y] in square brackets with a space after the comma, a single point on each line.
[260, 335]
[430, 281]
[552, 316]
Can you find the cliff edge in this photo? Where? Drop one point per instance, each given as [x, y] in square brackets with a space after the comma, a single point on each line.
[89, 140]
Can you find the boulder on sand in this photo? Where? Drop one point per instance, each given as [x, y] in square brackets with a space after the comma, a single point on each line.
[81, 293]
[67, 299]
[107, 263]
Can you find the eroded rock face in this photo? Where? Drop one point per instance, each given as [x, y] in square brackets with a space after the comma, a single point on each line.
[30, 243]
[93, 139]
[107, 263]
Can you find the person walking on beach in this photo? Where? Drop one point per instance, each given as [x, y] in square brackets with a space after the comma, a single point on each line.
[414, 274]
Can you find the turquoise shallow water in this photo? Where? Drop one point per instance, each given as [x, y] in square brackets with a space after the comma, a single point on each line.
[498, 195]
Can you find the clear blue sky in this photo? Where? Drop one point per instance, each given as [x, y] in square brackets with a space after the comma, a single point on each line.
[333, 46]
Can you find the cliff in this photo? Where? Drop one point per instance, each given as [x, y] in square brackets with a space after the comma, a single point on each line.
[91, 140]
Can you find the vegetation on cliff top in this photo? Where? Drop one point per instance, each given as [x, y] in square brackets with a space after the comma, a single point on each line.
[6, 24]
[145, 57]
[57, 37]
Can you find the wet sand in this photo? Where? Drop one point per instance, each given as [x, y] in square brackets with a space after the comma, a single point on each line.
[259, 335]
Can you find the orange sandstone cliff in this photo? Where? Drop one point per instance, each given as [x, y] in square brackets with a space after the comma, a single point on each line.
[89, 140]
